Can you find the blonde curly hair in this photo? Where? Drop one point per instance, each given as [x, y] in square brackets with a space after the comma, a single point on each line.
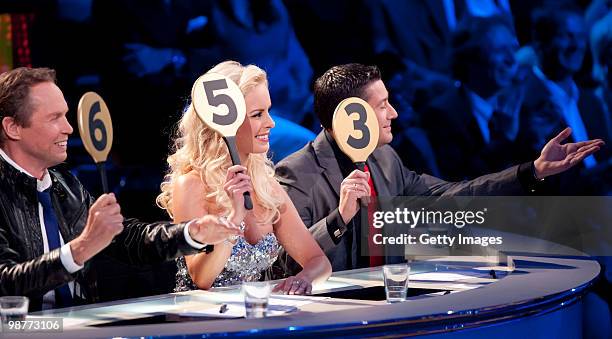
[199, 148]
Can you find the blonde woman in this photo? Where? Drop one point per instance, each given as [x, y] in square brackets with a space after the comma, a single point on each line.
[202, 180]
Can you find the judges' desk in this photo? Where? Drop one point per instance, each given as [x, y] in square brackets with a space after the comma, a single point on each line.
[498, 295]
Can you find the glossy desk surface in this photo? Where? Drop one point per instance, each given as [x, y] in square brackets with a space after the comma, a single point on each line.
[528, 286]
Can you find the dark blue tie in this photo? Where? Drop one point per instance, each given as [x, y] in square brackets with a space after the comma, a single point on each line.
[63, 297]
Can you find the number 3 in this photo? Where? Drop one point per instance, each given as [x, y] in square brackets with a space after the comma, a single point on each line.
[358, 125]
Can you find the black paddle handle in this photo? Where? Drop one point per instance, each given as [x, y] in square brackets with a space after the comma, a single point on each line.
[233, 150]
[365, 200]
[102, 170]
[360, 166]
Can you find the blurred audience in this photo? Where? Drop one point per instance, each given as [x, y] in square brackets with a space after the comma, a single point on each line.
[554, 100]
[599, 100]
[596, 10]
[153, 66]
[265, 27]
[479, 115]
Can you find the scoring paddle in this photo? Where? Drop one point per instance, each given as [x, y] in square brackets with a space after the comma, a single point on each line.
[356, 131]
[96, 129]
[220, 104]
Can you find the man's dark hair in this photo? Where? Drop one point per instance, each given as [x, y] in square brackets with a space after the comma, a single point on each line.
[14, 90]
[547, 19]
[467, 42]
[339, 83]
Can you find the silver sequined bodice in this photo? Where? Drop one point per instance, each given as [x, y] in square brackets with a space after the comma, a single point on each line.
[246, 263]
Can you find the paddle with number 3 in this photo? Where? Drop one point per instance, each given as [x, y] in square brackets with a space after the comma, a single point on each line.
[355, 130]
[96, 129]
[220, 104]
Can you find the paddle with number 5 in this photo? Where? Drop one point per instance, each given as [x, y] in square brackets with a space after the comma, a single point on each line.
[220, 104]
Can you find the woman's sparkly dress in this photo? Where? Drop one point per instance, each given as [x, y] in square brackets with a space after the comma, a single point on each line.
[246, 263]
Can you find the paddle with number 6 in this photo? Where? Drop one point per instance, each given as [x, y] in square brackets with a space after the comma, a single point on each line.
[96, 129]
[355, 130]
[220, 104]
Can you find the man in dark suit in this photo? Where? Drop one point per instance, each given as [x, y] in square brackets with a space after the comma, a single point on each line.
[51, 230]
[325, 186]
[475, 121]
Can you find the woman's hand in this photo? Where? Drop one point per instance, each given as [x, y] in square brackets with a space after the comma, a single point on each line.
[236, 184]
[294, 285]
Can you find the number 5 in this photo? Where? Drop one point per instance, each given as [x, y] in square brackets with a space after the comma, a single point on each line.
[220, 99]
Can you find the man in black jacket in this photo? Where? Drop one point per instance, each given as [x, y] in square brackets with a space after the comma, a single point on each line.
[51, 230]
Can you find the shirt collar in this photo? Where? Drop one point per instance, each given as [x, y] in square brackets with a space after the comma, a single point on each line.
[482, 108]
[41, 185]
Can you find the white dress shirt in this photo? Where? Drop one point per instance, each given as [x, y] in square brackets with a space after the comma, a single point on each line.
[483, 112]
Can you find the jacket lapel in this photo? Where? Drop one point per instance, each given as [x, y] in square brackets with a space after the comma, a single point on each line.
[327, 160]
[331, 170]
[379, 177]
[23, 188]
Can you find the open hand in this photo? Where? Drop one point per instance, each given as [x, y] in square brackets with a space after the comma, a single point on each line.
[557, 158]
[212, 230]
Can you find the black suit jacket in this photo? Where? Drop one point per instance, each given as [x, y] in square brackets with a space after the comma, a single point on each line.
[424, 38]
[312, 178]
[460, 148]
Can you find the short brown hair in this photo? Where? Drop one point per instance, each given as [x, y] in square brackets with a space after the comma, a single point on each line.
[14, 90]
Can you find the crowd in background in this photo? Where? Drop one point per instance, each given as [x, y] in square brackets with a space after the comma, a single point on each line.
[478, 84]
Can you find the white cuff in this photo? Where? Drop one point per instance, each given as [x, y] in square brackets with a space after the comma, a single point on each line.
[67, 260]
[190, 241]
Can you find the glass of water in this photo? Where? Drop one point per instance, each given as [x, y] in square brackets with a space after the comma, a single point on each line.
[13, 308]
[396, 282]
[256, 295]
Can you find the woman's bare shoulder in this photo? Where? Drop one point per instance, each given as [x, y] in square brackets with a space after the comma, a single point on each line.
[190, 182]
[189, 197]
